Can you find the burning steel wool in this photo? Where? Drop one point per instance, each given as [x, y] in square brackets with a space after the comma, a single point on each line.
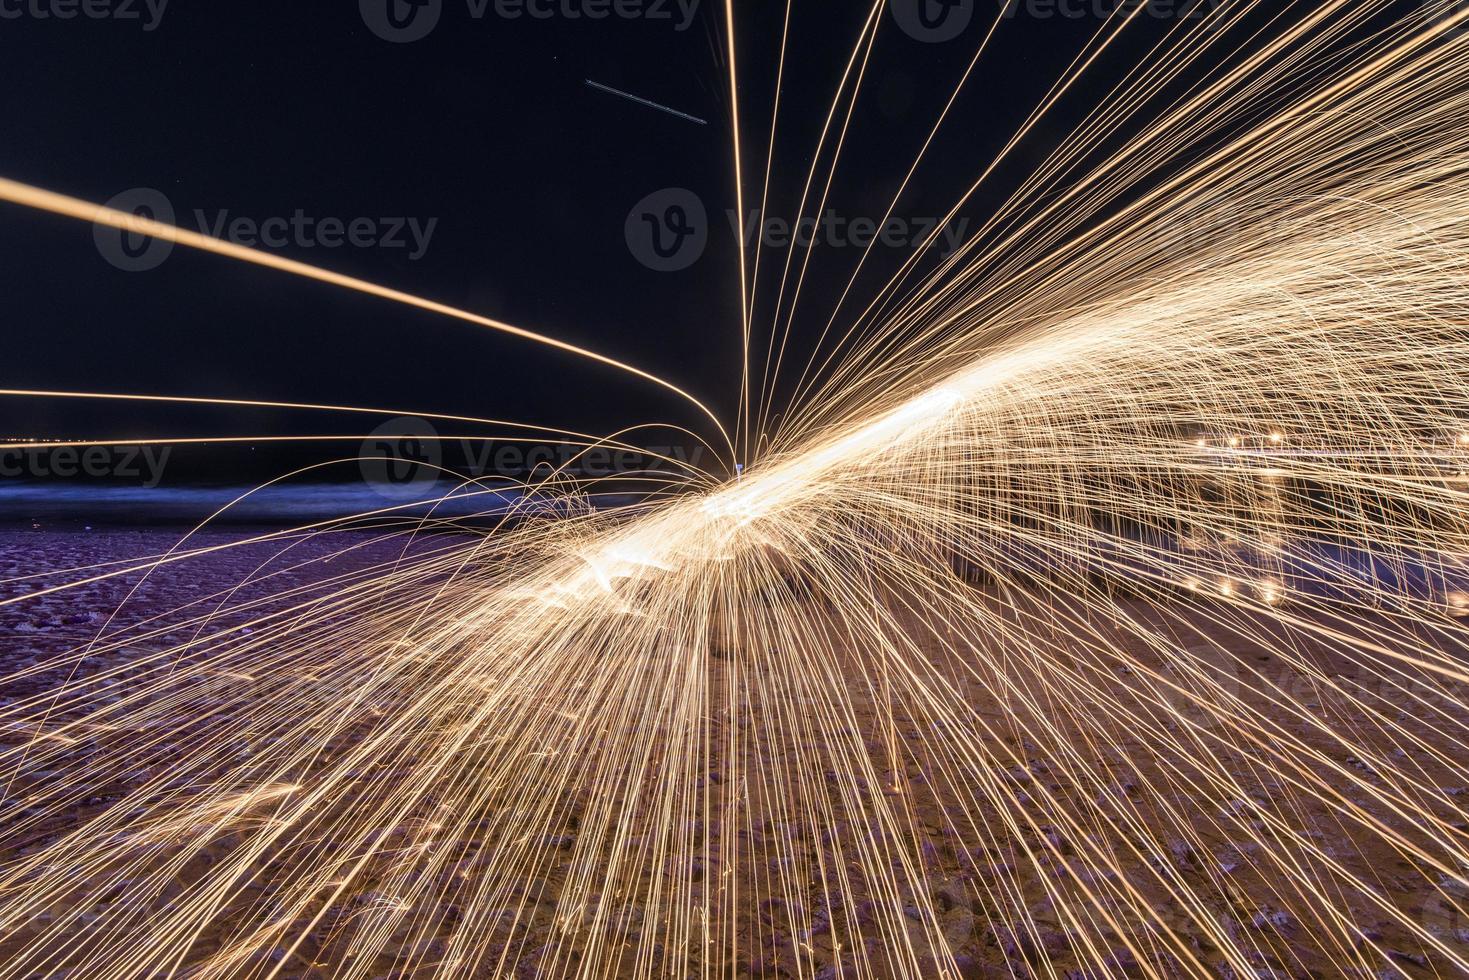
[1094, 609]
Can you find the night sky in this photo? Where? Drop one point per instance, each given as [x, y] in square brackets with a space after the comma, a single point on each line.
[265, 108]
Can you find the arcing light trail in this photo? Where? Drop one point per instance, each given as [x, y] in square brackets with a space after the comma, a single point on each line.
[521, 428]
[44, 200]
[985, 668]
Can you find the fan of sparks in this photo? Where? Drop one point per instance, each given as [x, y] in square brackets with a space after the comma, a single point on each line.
[1093, 609]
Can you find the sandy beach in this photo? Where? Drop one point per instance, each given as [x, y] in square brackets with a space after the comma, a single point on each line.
[998, 903]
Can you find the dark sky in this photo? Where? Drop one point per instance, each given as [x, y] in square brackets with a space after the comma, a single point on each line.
[267, 107]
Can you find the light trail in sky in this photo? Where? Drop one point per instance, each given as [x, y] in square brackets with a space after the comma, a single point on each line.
[645, 102]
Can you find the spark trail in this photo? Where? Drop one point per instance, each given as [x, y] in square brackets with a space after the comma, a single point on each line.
[1095, 613]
